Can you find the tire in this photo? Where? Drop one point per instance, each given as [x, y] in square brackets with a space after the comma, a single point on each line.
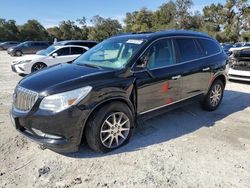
[99, 134]
[214, 96]
[38, 66]
[18, 53]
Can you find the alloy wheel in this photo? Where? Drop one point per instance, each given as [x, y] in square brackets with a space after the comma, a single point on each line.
[38, 66]
[215, 95]
[115, 130]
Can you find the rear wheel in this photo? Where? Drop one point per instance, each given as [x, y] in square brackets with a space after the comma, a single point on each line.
[38, 66]
[18, 53]
[213, 98]
[110, 127]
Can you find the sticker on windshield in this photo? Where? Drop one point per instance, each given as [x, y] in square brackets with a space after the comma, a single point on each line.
[134, 41]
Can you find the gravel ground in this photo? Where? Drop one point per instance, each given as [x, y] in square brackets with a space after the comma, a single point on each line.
[187, 147]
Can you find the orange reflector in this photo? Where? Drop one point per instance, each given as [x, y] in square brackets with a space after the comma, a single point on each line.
[71, 101]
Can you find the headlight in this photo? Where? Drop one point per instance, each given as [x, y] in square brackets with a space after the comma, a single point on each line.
[62, 101]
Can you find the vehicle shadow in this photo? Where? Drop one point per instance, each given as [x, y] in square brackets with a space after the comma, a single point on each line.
[175, 124]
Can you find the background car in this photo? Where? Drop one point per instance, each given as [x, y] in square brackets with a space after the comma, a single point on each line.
[85, 43]
[226, 48]
[29, 47]
[51, 56]
[240, 65]
[8, 44]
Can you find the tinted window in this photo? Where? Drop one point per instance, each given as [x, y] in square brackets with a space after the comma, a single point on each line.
[161, 54]
[209, 46]
[63, 51]
[43, 44]
[91, 44]
[187, 49]
[35, 44]
[76, 50]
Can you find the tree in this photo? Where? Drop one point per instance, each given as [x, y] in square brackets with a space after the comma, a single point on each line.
[139, 21]
[103, 28]
[33, 30]
[235, 12]
[85, 30]
[164, 16]
[213, 19]
[55, 32]
[183, 15]
[9, 30]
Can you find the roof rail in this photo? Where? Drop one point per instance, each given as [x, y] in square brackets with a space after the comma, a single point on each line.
[132, 33]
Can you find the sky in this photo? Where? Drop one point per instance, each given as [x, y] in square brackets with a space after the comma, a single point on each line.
[52, 12]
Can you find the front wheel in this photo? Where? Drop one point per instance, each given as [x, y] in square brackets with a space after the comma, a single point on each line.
[213, 98]
[18, 53]
[110, 127]
[38, 66]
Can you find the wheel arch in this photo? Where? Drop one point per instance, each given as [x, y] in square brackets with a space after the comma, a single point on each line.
[221, 77]
[103, 103]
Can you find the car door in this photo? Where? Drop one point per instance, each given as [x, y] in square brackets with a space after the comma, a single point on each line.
[27, 48]
[61, 55]
[158, 84]
[196, 73]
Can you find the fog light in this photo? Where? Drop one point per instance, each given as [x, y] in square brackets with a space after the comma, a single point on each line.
[45, 135]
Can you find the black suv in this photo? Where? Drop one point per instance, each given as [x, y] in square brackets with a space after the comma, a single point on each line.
[102, 95]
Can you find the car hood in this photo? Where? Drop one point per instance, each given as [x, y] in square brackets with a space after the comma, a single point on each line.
[28, 57]
[63, 77]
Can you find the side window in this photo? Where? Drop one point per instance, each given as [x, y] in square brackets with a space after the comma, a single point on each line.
[63, 52]
[161, 54]
[27, 44]
[209, 46]
[43, 44]
[34, 44]
[76, 51]
[187, 49]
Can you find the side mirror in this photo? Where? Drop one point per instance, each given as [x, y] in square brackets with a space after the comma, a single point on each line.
[54, 55]
[142, 62]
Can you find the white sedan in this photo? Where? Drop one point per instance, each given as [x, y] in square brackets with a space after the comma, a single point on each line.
[51, 56]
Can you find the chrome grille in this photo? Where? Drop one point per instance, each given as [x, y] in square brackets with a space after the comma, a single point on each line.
[24, 99]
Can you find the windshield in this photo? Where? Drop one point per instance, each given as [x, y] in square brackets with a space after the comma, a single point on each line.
[22, 44]
[47, 51]
[112, 53]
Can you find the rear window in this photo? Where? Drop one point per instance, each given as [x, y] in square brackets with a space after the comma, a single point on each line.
[209, 46]
[187, 49]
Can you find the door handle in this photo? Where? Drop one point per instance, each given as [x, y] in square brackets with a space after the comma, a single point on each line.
[206, 69]
[176, 77]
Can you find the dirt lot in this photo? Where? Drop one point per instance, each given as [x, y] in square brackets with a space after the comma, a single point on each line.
[184, 148]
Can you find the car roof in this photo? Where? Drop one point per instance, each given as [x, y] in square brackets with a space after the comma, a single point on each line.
[67, 41]
[59, 46]
[159, 34]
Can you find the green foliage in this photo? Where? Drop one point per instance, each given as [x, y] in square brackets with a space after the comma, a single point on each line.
[8, 30]
[103, 28]
[33, 30]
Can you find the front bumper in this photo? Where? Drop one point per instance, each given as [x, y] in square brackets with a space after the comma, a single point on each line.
[11, 52]
[20, 68]
[62, 131]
